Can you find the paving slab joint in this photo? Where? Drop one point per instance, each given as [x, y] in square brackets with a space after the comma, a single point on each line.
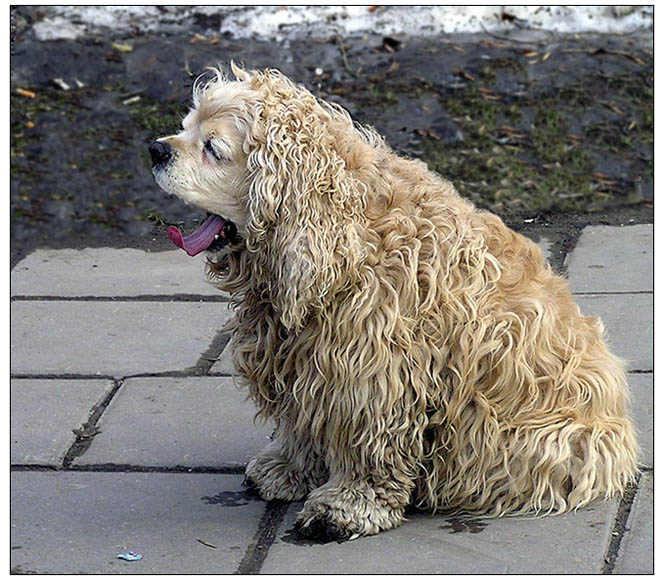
[32, 467]
[620, 526]
[212, 354]
[230, 469]
[120, 298]
[86, 433]
[256, 553]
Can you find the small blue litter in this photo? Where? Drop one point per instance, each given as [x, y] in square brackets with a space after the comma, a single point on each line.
[130, 556]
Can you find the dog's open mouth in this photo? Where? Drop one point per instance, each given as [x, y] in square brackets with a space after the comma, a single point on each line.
[213, 234]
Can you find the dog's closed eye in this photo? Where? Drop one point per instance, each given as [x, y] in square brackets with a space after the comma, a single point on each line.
[213, 147]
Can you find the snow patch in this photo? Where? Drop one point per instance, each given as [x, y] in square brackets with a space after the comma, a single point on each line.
[281, 23]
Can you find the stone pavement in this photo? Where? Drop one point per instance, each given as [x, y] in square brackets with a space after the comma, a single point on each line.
[129, 434]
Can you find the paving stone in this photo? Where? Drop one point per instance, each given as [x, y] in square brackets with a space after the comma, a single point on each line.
[190, 421]
[109, 272]
[641, 388]
[545, 245]
[43, 414]
[111, 338]
[224, 365]
[636, 552]
[438, 544]
[77, 523]
[612, 259]
[628, 321]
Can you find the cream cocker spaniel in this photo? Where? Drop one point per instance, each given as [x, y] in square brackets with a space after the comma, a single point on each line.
[409, 348]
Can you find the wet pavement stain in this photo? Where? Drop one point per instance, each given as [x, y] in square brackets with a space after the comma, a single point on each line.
[229, 498]
[461, 525]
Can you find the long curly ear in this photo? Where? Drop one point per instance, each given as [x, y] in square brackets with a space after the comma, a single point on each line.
[305, 209]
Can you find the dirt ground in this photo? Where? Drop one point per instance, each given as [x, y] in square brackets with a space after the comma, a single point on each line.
[550, 132]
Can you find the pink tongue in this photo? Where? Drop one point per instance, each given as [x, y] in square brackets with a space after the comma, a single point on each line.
[200, 239]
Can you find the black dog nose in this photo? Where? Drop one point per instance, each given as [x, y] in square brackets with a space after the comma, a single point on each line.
[160, 152]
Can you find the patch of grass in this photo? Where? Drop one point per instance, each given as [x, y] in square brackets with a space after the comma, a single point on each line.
[156, 117]
[155, 217]
[536, 152]
[508, 63]
[513, 170]
[380, 97]
[576, 95]
[609, 135]
[25, 118]
[487, 73]
[633, 94]
[472, 106]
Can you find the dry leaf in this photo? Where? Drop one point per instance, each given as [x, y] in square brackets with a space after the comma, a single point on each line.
[342, 90]
[120, 47]
[636, 59]
[612, 107]
[197, 38]
[491, 44]
[391, 44]
[464, 74]
[394, 66]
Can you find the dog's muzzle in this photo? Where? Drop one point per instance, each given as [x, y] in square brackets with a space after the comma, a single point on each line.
[161, 153]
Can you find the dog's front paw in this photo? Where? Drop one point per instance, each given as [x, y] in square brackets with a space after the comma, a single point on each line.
[322, 527]
[345, 513]
[270, 476]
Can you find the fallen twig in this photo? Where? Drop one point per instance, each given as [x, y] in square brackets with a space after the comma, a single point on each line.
[342, 48]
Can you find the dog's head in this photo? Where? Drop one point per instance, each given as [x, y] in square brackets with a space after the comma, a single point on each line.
[206, 163]
[268, 160]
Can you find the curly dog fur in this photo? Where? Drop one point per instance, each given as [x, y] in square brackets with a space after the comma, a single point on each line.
[409, 348]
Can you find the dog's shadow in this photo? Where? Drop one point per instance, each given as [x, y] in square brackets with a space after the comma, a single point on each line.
[291, 536]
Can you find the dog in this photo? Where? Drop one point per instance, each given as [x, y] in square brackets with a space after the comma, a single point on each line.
[410, 349]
